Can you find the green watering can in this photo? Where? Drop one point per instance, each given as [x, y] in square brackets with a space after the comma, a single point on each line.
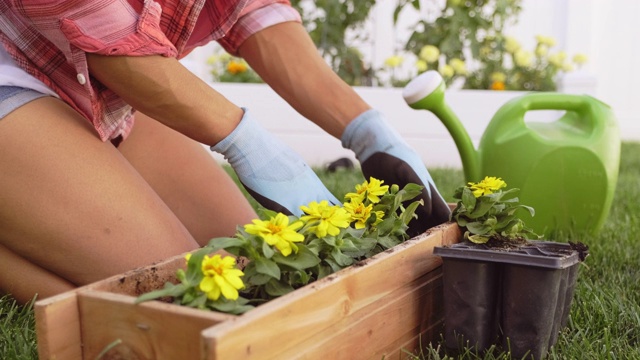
[566, 169]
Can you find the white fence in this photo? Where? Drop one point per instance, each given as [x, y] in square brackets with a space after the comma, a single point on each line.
[606, 31]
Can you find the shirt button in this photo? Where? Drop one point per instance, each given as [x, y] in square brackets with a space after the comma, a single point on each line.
[81, 79]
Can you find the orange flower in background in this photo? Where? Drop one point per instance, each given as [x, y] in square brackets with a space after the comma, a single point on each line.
[497, 85]
[236, 67]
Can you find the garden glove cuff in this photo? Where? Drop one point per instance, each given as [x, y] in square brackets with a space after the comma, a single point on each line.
[276, 176]
[384, 155]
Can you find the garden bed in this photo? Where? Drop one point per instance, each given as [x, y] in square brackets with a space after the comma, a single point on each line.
[380, 307]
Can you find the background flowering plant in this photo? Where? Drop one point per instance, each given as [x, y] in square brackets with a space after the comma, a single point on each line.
[487, 212]
[465, 42]
[283, 253]
[227, 68]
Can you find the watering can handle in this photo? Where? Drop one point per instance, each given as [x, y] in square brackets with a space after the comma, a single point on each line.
[553, 101]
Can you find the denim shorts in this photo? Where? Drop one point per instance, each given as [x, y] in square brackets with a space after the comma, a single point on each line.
[12, 97]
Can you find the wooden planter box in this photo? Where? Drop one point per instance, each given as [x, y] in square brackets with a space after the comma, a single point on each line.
[380, 307]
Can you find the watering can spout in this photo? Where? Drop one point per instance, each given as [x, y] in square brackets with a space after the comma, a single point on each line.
[426, 92]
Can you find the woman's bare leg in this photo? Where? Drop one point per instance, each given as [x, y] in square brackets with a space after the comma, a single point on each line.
[22, 279]
[188, 179]
[72, 204]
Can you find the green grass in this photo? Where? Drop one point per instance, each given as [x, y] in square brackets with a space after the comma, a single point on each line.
[605, 316]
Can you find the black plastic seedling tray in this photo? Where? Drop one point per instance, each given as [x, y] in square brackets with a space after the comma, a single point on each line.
[519, 298]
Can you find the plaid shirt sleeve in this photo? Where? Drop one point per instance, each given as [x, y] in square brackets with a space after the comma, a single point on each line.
[256, 16]
[108, 27]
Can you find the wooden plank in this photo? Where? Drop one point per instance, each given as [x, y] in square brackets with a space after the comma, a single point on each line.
[139, 281]
[301, 315]
[381, 328]
[57, 318]
[152, 330]
[58, 327]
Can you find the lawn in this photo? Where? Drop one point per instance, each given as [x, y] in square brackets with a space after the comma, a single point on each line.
[605, 316]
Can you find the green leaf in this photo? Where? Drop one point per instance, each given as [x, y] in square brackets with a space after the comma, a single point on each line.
[410, 212]
[478, 228]
[267, 267]
[482, 206]
[267, 250]
[194, 266]
[324, 269]
[277, 288]
[478, 239]
[172, 290]
[304, 259]
[340, 258]
[387, 242]
[468, 199]
[216, 244]
[235, 307]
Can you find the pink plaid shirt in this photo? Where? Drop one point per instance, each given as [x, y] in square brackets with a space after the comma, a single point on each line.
[49, 40]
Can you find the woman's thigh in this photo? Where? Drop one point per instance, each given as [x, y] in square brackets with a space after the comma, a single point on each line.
[188, 179]
[72, 204]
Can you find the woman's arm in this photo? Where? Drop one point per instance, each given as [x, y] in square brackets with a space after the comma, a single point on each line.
[286, 58]
[165, 90]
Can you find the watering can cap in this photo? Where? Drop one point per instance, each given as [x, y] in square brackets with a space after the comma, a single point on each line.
[422, 86]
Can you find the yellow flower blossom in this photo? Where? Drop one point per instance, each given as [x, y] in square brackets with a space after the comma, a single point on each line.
[429, 53]
[324, 218]
[511, 45]
[542, 50]
[360, 213]
[497, 85]
[371, 190]
[487, 186]
[459, 67]
[221, 277]
[498, 77]
[393, 61]
[546, 40]
[522, 58]
[567, 67]
[557, 59]
[580, 59]
[277, 232]
[422, 66]
[236, 67]
[485, 51]
[211, 60]
[446, 71]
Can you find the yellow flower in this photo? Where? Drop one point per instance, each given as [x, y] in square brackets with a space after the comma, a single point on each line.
[277, 232]
[497, 85]
[371, 190]
[422, 66]
[360, 213]
[542, 50]
[324, 218]
[557, 59]
[498, 77]
[394, 61]
[485, 51]
[212, 59]
[580, 59]
[446, 71]
[546, 40]
[458, 65]
[221, 277]
[487, 186]
[511, 44]
[236, 67]
[429, 53]
[567, 67]
[522, 58]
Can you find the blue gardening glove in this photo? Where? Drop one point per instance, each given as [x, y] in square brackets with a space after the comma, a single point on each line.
[384, 155]
[271, 172]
